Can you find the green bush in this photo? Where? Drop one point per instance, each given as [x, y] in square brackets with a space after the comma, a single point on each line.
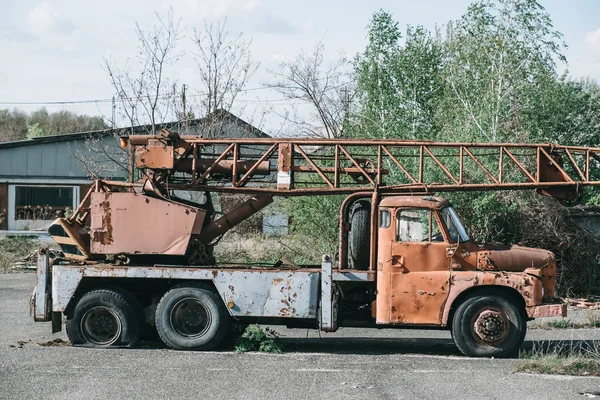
[256, 338]
[316, 218]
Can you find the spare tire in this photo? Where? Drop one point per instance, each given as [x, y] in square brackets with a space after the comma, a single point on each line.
[359, 236]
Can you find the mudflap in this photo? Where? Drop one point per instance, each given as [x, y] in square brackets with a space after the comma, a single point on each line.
[56, 321]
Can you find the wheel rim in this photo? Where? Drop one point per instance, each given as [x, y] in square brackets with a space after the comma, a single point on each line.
[190, 318]
[101, 326]
[490, 326]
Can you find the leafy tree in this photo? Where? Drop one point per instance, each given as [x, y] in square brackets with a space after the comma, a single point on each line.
[564, 111]
[399, 85]
[420, 63]
[17, 125]
[496, 54]
[62, 122]
[34, 130]
[380, 106]
[13, 125]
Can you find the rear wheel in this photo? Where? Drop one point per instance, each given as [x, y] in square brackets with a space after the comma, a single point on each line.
[192, 317]
[488, 326]
[103, 318]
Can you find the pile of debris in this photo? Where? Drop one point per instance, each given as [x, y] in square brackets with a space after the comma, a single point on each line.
[592, 303]
[29, 263]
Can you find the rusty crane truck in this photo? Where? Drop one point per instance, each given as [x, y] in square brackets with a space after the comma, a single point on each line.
[137, 253]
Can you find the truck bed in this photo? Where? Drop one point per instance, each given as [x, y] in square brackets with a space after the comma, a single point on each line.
[248, 291]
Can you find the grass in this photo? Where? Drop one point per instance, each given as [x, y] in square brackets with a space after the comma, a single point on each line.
[237, 248]
[560, 365]
[16, 248]
[260, 339]
[562, 324]
[562, 358]
[593, 321]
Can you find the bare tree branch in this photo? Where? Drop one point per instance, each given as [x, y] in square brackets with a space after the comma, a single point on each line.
[144, 93]
[225, 66]
[327, 89]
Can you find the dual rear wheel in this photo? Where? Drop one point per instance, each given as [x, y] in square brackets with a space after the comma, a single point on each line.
[105, 317]
[192, 317]
[187, 317]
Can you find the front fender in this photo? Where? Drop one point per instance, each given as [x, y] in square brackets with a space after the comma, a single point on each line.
[526, 284]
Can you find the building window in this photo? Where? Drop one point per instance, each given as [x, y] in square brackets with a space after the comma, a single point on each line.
[42, 203]
[34, 207]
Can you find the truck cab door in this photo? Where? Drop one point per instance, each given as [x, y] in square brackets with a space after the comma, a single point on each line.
[413, 269]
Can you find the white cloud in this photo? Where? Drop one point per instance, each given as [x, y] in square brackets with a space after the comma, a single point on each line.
[268, 22]
[45, 19]
[279, 57]
[592, 39]
[41, 17]
[211, 8]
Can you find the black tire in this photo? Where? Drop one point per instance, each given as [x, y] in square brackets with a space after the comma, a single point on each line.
[105, 318]
[489, 326]
[192, 317]
[360, 235]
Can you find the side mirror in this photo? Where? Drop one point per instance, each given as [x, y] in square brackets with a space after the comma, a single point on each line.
[450, 251]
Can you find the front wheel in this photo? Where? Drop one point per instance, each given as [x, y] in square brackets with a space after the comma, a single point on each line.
[488, 326]
[191, 317]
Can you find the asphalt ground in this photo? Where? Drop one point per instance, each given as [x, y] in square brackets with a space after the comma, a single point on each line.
[351, 363]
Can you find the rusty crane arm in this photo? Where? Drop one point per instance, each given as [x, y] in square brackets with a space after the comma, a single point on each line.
[291, 167]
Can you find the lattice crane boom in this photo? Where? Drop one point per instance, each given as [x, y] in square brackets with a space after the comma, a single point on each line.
[288, 167]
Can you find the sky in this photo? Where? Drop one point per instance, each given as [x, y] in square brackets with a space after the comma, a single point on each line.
[54, 50]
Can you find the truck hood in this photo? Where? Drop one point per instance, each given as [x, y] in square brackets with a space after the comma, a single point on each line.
[512, 258]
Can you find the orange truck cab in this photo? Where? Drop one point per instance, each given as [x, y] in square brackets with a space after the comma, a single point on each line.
[430, 272]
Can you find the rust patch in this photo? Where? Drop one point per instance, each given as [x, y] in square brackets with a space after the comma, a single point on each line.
[417, 304]
[105, 236]
[277, 281]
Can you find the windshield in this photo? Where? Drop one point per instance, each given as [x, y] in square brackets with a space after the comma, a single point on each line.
[456, 229]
